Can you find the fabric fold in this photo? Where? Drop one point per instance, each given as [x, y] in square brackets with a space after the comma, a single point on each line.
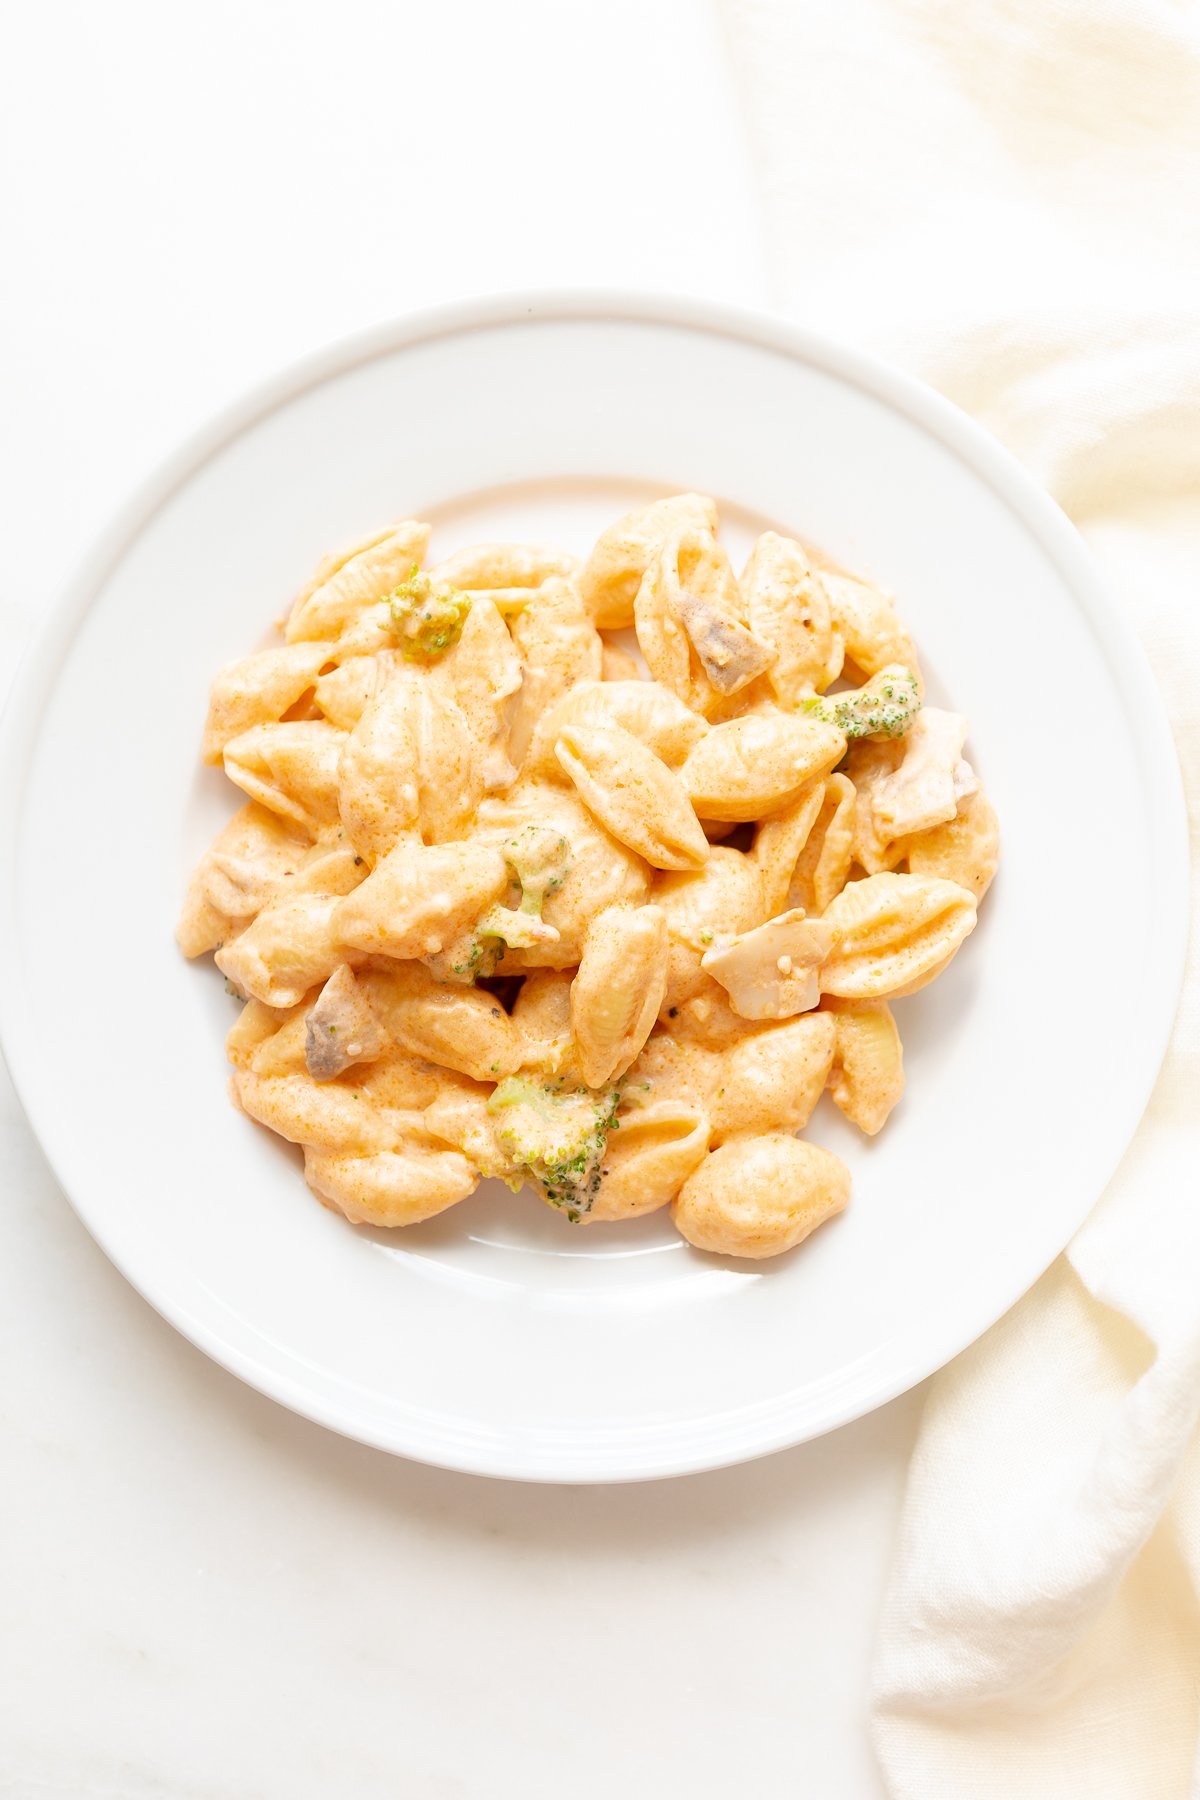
[1003, 198]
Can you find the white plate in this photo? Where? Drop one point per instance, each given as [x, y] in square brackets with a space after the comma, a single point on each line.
[498, 1338]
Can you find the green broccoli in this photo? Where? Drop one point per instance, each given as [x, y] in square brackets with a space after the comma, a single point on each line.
[518, 928]
[477, 952]
[428, 619]
[469, 958]
[559, 1135]
[885, 707]
[539, 858]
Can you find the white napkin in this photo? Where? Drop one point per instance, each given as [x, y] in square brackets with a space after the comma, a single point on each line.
[1004, 195]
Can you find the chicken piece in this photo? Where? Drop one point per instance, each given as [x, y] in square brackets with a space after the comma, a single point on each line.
[771, 971]
[931, 780]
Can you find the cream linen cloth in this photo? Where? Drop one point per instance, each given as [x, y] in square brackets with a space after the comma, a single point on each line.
[1005, 198]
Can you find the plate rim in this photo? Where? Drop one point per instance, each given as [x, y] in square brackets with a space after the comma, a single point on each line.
[967, 440]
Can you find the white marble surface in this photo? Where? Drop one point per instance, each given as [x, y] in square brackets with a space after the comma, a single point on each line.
[206, 1598]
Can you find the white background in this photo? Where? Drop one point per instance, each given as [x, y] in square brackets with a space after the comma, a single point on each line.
[204, 1597]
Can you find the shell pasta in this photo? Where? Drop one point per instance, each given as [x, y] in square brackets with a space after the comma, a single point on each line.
[592, 876]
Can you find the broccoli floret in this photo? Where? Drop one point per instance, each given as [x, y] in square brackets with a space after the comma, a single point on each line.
[539, 857]
[427, 619]
[885, 707]
[518, 929]
[559, 1135]
[475, 956]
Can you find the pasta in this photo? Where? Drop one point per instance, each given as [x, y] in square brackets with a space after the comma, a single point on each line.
[748, 768]
[757, 1196]
[599, 915]
[789, 610]
[618, 989]
[633, 793]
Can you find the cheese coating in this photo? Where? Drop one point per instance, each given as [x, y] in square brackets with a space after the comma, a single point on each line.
[587, 871]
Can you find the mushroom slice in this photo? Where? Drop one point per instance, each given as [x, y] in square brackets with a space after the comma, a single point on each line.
[691, 623]
[340, 1028]
[771, 972]
[730, 654]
